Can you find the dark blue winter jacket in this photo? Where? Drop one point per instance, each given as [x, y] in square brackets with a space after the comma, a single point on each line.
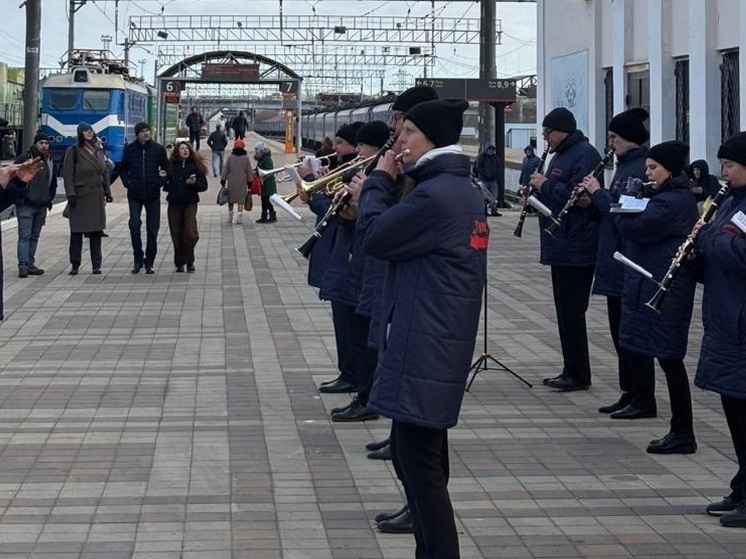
[610, 273]
[139, 169]
[651, 239]
[575, 243]
[722, 247]
[434, 240]
[179, 192]
[319, 204]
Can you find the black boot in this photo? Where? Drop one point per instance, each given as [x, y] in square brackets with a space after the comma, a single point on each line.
[381, 516]
[622, 402]
[673, 443]
[402, 524]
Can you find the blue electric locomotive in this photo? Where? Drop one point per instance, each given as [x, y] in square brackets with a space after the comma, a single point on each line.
[112, 103]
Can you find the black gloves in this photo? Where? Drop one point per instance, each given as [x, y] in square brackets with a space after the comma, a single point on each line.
[49, 206]
[222, 182]
[109, 198]
[72, 201]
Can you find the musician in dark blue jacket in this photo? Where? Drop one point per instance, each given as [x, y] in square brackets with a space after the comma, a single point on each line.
[627, 133]
[571, 252]
[721, 250]
[434, 240]
[651, 239]
[328, 268]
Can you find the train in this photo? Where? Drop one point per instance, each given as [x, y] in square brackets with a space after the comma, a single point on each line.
[98, 91]
[317, 125]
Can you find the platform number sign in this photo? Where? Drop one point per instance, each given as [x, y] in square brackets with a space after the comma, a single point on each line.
[171, 86]
[288, 88]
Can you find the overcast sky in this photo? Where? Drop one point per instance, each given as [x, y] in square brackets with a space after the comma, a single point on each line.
[515, 56]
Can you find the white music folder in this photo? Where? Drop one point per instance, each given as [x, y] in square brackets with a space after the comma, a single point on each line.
[629, 205]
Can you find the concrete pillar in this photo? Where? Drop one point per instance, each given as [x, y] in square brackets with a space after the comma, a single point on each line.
[596, 74]
[619, 21]
[704, 81]
[541, 89]
[662, 72]
[742, 64]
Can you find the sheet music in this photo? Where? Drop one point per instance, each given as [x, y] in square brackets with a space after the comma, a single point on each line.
[629, 205]
[739, 220]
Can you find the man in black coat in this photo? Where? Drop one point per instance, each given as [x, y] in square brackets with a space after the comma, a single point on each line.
[144, 165]
[217, 141]
[32, 200]
[194, 122]
[239, 125]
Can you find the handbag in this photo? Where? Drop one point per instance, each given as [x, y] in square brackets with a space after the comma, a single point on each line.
[248, 204]
[256, 185]
[223, 196]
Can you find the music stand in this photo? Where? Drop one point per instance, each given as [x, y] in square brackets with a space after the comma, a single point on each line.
[484, 360]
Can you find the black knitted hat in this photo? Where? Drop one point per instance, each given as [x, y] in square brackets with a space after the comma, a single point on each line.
[440, 120]
[560, 119]
[412, 96]
[40, 136]
[140, 126]
[348, 132]
[672, 155]
[629, 125]
[375, 133]
[734, 148]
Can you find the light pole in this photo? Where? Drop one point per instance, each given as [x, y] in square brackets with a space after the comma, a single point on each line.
[106, 40]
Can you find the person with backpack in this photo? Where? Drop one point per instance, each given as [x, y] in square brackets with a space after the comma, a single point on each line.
[32, 201]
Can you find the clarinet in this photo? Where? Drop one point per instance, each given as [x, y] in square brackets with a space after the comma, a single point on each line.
[305, 249]
[684, 250]
[518, 232]
[577, 193]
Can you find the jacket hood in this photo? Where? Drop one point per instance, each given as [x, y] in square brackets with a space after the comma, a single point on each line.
[488, 145]
[702, 165]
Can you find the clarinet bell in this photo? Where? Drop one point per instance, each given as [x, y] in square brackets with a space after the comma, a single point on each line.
[657, 299]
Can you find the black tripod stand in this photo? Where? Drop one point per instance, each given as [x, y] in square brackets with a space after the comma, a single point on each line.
[484, 360]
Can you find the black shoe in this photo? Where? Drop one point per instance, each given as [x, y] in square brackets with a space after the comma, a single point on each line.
[22, 272]
[356, 412]
[191, 269]
[547, 380]
[728, 504]
[504, 205]
[380, 454]
[179, 269]
[137, 267]
[673, 444]
[96, 271]
[74, 271]
[631, 411]
[340, 409]
[622, 402]
[149, 270]
[337, 386]
[568, 384]
[381, 516]
[272, 219]
[262, 220]
[495, 213]
[34, 271]
[401, 524]
[736, 518]
[377, 445]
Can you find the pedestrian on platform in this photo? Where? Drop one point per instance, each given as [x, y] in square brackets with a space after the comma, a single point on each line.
[217, 141]
[236, 176]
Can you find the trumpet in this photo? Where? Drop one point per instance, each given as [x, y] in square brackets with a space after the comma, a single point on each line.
[316, 162]
[305, 249]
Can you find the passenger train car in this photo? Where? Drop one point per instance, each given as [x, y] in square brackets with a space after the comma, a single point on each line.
[319, 124]
[110, 101]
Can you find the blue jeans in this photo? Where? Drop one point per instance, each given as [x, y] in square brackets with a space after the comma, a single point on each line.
[217, 162]
[152, 223]
[30, 221]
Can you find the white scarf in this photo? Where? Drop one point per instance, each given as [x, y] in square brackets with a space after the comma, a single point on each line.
[433, 153]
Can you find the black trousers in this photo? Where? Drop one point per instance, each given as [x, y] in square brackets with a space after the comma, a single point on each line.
[342, 316]
[420, 457]
[636, 371]
[194, 139]
[365, 359]
[678, 392]
[268, 210]
[76, 249]
[152, 224]
[735, 415]
[572, 290]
